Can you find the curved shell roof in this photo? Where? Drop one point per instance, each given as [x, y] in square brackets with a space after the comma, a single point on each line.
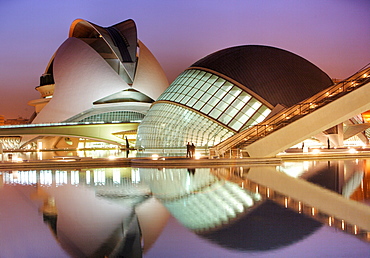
[97, 65]
[123, 35]
[278, 76]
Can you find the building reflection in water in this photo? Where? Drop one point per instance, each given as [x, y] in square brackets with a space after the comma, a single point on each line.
[348, 178]
[225, 213]
[109, 213]
[115, 210]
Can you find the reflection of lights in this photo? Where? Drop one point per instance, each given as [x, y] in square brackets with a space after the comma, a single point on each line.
[343, 225]
[257, 197]
[313, 211]
[306, 165]
[292, 169]
[299, 207]
[330, 222]
[116, 176]
[286, 202]
[111, 157]
[352, 151]
[315, 151]
[87, 177]
[39, 155]
[197, 155]
[355, 229]
[155, 156]
[15, 174]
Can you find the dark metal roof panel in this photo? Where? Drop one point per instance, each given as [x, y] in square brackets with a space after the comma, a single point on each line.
[277, 75]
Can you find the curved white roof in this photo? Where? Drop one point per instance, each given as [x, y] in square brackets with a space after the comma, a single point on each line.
[81, 77]
[84, 69]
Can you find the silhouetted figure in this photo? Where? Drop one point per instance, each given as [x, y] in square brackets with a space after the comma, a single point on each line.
[192, 150]
[328, 144]
[188, 150]
[127, 147]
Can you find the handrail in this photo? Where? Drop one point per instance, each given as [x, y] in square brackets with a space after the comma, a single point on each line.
[295, 112]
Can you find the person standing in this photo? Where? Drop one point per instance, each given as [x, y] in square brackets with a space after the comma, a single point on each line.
[192, 151]
[188, 150]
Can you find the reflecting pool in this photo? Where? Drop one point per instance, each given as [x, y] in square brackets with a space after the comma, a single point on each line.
[296, 209]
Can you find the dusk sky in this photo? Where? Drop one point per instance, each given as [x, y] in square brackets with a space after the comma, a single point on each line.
[332, 34]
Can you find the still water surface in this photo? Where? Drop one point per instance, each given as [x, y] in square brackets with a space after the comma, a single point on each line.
[169, 212]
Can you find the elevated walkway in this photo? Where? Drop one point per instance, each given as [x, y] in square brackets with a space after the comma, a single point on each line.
[297, 123]
[99, 131]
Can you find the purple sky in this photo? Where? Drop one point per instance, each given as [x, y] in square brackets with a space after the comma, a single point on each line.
[332, 34]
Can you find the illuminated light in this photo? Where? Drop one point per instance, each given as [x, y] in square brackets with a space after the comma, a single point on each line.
[313, 105]
[352, 151]
[299, 207]
[313, 211]
[155, 157]
[355, 229]
[257, 189]
[286, 202]
[111, 157]
[268, 192]
[343, 225]
[331, 220]
[39, 155]
[197, 155]
[315, 151]
[18, 160]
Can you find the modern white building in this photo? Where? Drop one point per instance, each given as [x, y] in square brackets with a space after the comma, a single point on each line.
[99, 74]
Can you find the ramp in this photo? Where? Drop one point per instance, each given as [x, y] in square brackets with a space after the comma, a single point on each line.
[309, 117]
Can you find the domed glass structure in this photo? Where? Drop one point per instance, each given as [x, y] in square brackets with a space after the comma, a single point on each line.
[227, 92]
